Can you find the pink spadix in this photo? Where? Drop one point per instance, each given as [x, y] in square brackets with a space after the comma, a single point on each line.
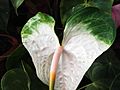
[54, 66]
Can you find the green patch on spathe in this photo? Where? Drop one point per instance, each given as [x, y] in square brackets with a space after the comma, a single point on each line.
[33, 24]
[98, 23]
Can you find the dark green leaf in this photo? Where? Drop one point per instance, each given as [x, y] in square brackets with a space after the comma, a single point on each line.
[0, 87]
[15, 79]
[16, 4]
[115, 85]
[93, 86]
[104, 5]
[14, 61]
[36, 84]
[4, 15]
[72, 5]
[106, 66]
[99, 72]
[104, 70]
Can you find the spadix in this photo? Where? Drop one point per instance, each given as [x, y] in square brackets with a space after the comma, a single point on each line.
[86, 36]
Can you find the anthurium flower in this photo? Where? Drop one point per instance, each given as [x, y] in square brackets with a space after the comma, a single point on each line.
[87, 34]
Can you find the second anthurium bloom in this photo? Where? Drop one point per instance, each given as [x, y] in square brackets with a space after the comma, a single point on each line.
[87, 34]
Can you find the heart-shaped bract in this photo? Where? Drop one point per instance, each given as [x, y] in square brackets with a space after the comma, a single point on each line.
[88, 33]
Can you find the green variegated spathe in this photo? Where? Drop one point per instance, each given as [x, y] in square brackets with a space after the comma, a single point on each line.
[88, 33]
[39, 38]
[34, 23]
[99, 24]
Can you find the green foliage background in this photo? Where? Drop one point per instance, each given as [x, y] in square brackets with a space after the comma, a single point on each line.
[20, 74]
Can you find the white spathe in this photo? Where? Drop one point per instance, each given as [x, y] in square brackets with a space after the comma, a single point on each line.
[78, 55]
[81, 48]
